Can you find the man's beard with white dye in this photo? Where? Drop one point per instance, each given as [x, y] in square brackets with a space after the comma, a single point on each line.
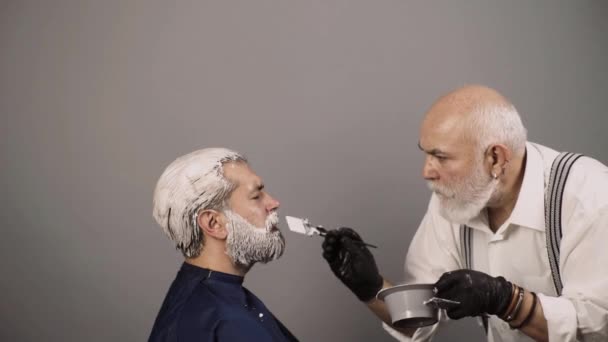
[464, 200]
[247, 244]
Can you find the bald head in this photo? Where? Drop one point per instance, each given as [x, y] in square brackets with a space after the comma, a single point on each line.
[477, 115]
[462, 102]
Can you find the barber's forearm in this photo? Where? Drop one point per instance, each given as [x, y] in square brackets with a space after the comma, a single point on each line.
[378, 307]
[536, 327]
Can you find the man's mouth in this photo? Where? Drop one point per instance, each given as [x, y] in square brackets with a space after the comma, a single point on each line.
[443, 196]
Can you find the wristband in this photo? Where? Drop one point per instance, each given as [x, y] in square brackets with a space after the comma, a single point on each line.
[514, 295]
[515, 311]
[529, 315]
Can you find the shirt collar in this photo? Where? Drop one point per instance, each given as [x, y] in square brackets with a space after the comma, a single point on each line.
[529, 209]
[205, 273]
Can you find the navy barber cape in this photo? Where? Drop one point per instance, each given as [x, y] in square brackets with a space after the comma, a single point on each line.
[204, 305]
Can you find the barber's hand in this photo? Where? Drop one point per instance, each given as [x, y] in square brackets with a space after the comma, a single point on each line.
[352, 262]
[477, 293]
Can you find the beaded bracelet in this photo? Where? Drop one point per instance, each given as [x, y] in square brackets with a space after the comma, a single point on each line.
[529, 315]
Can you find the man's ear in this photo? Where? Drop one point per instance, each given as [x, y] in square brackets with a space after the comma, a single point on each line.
[498, 156]
[211, 222]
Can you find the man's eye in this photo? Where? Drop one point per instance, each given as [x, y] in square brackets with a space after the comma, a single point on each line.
[256, 197]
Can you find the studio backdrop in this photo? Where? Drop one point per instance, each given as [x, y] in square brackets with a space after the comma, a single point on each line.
[325, 98]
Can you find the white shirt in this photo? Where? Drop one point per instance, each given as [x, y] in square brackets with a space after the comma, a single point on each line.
[517, 251]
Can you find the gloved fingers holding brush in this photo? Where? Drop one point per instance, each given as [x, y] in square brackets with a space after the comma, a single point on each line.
[352, 262]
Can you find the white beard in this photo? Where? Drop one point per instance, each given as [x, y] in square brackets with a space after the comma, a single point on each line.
[247, 244]
[466, 198]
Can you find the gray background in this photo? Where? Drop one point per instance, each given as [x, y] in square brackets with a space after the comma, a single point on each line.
[324, 97]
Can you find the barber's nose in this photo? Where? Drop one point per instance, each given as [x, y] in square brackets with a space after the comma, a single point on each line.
[428, 171]
[273, 204]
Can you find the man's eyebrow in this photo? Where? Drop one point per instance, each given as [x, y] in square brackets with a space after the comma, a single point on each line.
[258, 187]
[434, 151]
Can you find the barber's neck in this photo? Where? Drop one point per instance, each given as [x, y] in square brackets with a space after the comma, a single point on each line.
[501, 208]
[214, 257]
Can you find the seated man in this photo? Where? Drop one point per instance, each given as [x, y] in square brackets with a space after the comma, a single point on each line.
[215, 209]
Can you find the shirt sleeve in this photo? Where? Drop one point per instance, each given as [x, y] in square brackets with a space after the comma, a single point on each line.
[432, 252]
[581, 312]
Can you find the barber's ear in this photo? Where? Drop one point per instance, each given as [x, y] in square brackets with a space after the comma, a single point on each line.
[498, 155]
[212, 223]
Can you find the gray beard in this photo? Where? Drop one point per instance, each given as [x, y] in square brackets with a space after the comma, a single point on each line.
[465, 200]
[247, 244]
[462, 212]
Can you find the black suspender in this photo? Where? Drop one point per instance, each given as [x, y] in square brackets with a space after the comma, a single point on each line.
[466, 238]
[553, 211]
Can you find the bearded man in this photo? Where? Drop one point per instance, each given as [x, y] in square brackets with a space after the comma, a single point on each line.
[218, 214]
[514, 230]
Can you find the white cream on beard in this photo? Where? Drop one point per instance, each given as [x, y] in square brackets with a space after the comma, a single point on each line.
[247, 244]
[467, 197]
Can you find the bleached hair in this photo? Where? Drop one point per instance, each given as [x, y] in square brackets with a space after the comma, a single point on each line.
[192, 182]
[497, 124]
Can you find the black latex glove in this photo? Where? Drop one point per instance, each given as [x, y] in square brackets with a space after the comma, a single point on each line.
[352, 262]
[477, 292]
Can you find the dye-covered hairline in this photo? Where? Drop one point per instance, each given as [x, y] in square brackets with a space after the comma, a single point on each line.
[191, 183]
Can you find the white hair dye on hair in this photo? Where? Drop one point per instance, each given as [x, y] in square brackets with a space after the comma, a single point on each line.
[192, 182]
[497, 124]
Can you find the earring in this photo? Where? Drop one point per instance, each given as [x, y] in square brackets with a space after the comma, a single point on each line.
[494, 175]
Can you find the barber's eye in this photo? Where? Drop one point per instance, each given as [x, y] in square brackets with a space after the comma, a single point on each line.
[256, 197]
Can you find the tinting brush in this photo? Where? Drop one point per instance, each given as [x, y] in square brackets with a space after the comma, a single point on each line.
[303, 226]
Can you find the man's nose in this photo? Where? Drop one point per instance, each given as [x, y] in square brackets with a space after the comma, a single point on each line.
[273, 204]
[428, 170]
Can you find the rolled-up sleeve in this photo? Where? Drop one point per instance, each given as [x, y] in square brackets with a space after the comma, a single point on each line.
[581, 312]
[561, 318]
